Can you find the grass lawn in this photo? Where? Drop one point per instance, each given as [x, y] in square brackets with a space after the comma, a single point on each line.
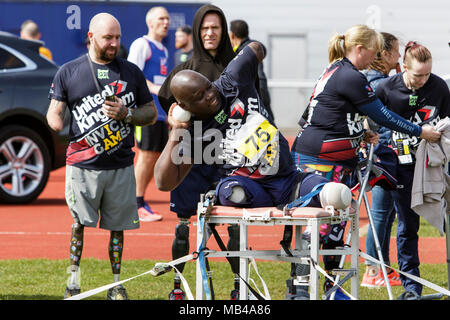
[45, 279]
[42, 279]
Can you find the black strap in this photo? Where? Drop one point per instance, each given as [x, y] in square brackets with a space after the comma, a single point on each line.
[208, 270]
[93, 74]
[223, 248]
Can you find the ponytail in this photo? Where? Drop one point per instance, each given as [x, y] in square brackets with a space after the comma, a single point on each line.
[355, 35]
[335, 49]
[416, 51]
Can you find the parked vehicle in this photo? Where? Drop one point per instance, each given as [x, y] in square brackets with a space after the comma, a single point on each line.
[29, 149]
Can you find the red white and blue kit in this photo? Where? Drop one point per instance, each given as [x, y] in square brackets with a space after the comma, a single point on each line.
[334, 128]
[426, 105]
[96, 141]
[248, 149]
[155, 69]
[329, 141]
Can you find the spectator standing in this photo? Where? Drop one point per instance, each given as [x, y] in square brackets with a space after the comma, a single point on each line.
[424, 98]
[183, 44]
[29, 30]
[151, 56]
[382, 210]
[106, 96]
[334, 121]
[239, 37]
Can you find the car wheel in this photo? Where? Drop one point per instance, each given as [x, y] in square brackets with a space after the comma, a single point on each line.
[24, 164]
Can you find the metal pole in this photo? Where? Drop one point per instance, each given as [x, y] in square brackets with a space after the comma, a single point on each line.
[369, 215]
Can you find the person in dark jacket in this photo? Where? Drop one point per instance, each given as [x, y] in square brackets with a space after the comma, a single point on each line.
[212, 53]
[239, 39]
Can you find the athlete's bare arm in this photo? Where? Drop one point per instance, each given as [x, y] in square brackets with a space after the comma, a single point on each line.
[258, 50]
[55, 114]
[168, 175]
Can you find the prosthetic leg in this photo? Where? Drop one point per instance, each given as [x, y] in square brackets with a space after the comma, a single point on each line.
[76, 247]
[115, 250]
[237, 197]
[233, 245]
[297, 284]
[180, 248]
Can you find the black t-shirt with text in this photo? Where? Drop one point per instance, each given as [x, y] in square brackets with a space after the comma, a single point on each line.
[241, 139]
[334, 125]
[96, 141]
[427, 105]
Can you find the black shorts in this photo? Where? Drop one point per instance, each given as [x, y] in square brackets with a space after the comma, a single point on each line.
[186, 196]
[152, 138]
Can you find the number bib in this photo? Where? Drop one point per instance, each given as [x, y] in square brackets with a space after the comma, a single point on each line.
[256, 140]
[404, 151]
[404, 145]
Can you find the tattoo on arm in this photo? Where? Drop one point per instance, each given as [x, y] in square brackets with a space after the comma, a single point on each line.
[145, 114]
[55, 114]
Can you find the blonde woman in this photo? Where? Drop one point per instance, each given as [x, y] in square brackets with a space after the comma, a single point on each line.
[332, 126]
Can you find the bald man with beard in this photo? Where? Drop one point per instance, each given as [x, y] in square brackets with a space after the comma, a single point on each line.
[106, 96]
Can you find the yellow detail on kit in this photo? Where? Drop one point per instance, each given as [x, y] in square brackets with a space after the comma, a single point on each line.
[257, 140]
[320, 167]
[138, 133]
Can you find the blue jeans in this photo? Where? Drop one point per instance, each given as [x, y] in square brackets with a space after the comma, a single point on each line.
[407, 229]
[383, 215]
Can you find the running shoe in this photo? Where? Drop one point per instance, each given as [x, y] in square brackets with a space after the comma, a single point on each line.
[117, 293]
[295, 292]
[299, 294]
[372, 281]
[72, 290]
[146, 214]
[377, 281]
[409, 295]
[394, 278]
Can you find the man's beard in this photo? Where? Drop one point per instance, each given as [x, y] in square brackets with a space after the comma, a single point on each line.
[102, 55]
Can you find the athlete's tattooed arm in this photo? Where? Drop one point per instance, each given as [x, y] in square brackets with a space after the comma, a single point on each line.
[55, 114]
[144, 115]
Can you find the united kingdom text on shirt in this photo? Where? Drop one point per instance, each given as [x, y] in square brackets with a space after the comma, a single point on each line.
[250, 144]
[96, 141]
